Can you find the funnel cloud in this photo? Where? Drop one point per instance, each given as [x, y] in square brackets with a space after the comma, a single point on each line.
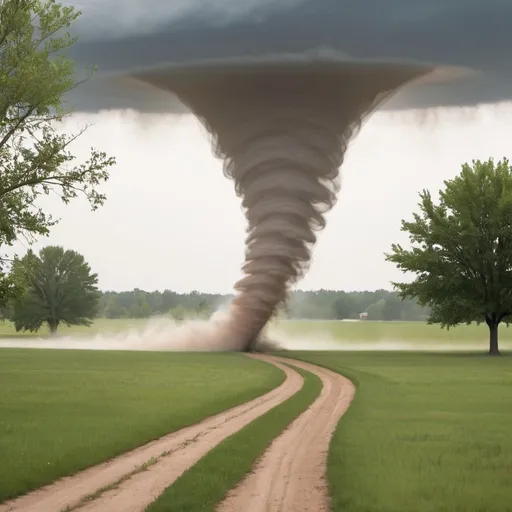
[281, 87]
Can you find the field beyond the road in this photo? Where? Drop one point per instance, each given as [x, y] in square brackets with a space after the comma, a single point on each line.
[389, 335]
[425, 433]
[297, 334]
[64, 410]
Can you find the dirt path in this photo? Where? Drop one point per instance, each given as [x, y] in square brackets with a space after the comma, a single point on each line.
[133, 480]
[290, 477]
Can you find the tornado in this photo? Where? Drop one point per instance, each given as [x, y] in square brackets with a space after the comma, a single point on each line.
[282, 133]
[281, 87]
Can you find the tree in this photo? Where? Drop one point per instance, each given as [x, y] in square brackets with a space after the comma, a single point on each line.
[345, 306]
[9, 289]
[203, 309]
[462, 249]
[376, 311]
[178, 313]
[59, 288]
[112, 307]
[35, 158]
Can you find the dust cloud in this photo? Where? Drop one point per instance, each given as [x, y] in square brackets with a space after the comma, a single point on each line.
[163, 334]
[157, 334]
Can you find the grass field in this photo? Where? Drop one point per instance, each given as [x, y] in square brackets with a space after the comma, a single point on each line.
[61, 411]
[100, 326]
[367, 331]
[204, 485]
[426, 433]
[318, 331]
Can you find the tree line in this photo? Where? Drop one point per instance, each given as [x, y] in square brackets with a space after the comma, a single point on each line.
[318, 305]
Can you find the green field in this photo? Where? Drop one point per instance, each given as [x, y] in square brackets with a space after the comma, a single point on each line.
[64, 410]
[426, 433]
[389, 333]
[347, 333]
[100, 326]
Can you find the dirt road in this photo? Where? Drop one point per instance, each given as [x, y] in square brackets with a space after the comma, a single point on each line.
[291, 474]
[133, 480]
[289, 477]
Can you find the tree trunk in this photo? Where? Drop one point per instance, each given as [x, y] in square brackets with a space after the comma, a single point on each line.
[53, 325]
[493, 340]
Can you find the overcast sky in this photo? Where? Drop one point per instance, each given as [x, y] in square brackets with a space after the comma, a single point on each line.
[173, 221]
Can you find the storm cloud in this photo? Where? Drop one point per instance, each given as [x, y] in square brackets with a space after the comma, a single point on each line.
[126, 37]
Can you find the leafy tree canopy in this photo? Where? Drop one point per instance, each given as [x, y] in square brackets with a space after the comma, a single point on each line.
[35, 158]
[462, 249]
[59, 288]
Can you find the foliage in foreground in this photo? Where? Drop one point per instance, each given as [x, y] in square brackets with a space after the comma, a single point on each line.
[35, 158]
[59, 288]
[462, 249]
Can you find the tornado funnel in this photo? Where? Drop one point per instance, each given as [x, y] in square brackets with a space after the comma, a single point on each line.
[282, 130]
[281, 87]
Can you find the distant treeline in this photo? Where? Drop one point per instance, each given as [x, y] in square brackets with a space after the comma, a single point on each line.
[321, 304]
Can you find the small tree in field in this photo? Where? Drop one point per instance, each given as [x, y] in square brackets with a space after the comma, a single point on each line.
[462, 249]
[35, 158]
[59, 288]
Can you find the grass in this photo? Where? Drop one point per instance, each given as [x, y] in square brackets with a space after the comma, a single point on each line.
[367, 331]
[101, 325]
[354, 331]
[426, 432]
[62, 411]
[203, 486]
[348, 333]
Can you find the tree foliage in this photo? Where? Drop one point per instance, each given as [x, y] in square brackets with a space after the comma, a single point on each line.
[319, 304]
[462, 249]
[35, 158]
[9, 290]
[59, 288]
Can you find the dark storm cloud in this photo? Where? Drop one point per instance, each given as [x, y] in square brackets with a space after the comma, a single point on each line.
[125, 36]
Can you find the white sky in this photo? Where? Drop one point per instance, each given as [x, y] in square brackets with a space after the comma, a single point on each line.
[172, 220]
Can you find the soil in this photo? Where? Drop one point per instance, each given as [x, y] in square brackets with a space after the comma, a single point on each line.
[291, 475]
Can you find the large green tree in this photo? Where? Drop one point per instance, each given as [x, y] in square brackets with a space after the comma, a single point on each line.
[35, 157]
[59, 288]
[461, 250]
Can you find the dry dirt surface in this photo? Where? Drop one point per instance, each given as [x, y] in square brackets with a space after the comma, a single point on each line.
[291, 475]
[130, 482]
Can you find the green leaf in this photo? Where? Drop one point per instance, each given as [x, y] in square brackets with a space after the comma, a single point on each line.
[35, 158]
[461, 248]
[59, 288]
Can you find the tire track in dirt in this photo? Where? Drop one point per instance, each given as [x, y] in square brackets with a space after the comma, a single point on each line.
[291, 474]
[130, 482]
